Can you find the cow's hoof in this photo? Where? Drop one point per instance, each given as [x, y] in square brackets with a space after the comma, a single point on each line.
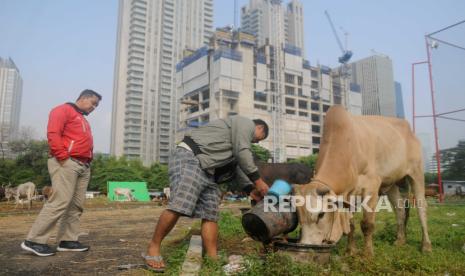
[368, 253]
[426, 248]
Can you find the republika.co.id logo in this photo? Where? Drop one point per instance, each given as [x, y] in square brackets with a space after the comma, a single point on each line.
[318, 204]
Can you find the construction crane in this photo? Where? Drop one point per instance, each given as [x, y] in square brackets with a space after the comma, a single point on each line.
[344, 70]
[346, 54]
[235, 15]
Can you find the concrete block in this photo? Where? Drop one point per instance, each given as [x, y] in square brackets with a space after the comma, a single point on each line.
[193, 261]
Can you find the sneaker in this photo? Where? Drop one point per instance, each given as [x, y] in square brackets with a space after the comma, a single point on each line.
[39, 249]
[72, 246]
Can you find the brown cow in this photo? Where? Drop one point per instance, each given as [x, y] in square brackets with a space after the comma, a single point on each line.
[291, 172]
[294, 173]
[47, 192]
[362, 155]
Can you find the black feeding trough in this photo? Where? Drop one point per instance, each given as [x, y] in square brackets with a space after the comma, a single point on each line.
[262, 225]
[305, 252]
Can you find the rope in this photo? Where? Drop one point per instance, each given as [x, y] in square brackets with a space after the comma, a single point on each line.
[328, 236]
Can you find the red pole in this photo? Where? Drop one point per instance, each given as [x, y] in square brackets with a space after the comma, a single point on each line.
[438, 156]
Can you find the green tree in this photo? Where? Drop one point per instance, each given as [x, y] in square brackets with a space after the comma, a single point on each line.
[114, 169]
[105, 169]
[431, 178]
[31, 162]
[261, 153]
[455, 170]
[309, 161]
[7, 169]
[156, 176]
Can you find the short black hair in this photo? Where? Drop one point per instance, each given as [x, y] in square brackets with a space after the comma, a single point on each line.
[260, 122]
[89, 93]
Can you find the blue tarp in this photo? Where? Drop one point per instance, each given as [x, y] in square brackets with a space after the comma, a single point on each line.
[261, 58]
[355, 87]
[325, 70]
[306, 64]
[190, 59]
[227, 53]
[292, 49]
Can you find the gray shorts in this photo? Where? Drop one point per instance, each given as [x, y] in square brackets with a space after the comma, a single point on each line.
[193, 192]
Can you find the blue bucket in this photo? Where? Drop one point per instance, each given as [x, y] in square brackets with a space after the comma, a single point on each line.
[280, 188]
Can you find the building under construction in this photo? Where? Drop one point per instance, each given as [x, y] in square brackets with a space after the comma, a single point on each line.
[271, 82]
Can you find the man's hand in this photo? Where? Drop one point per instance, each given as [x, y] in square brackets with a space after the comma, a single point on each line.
[62, 162]
[261, 187]
[255, 195]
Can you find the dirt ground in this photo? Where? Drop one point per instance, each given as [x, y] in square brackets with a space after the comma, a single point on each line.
[117, 234]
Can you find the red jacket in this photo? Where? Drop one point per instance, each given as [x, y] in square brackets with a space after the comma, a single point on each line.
[69, 134]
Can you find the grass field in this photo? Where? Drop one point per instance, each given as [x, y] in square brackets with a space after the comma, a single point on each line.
[119, 231]
[446, 228]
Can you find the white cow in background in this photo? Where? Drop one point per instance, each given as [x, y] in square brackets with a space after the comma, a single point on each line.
[10, 193]
[126, 192]
[167, 192]
[25, 192]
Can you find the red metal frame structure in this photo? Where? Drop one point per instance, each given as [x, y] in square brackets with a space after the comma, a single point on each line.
[436, 142]
[431, 84]
[414, 116]
[413, 92]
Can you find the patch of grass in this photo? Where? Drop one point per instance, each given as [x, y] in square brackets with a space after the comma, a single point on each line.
[230, 225]
[175, 257]
[279, 264]
[446, 225]
[213, 267]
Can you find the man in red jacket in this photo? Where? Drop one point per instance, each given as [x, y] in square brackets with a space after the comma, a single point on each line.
[71, 144]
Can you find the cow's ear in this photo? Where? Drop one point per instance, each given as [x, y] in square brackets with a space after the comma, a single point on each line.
[345, 222]
[296, 189]
[341, 226]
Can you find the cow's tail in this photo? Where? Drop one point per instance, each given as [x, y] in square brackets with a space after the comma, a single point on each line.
[407, 213]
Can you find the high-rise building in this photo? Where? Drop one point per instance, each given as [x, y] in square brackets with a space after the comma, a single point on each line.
[270, 22]
[281, 30]
[295, 25]
[11, 90]
[429, 163]
[233, 76]
[400, 113]
[152, 37]
[374, 74]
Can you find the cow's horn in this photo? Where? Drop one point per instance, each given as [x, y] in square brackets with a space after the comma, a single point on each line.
[322, 191]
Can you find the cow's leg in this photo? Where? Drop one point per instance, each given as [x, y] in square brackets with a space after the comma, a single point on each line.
[368, 224]
[351, 246]
[29, 198]
[370, 185]
[17, 202]
[398, 203]
[418, 186]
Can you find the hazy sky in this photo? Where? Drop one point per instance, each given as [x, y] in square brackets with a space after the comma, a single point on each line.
[64, 46]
